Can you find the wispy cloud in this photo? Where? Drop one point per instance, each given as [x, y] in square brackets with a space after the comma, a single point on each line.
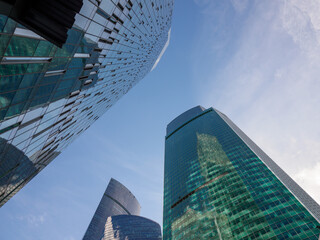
[33, 220]
[70, 238]
[264, 73]
[239, 5]
[310, 179]
[116, 154]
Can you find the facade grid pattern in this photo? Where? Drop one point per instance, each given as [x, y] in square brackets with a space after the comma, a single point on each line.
[50, 95]
[116, 200]
[124, 227]
[216, 187]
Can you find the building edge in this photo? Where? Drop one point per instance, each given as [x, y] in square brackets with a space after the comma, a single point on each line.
[302, 196]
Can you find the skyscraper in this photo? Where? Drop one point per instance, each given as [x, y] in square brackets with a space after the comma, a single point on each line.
[117, 217]
[218, 184]
[116, 200]
[125, 227]
[50, 95]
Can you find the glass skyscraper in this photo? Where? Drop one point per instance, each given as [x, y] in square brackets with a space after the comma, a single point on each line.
[125, 227]
[50, 95]
[116, 200]
[117, 217]
[218, 184]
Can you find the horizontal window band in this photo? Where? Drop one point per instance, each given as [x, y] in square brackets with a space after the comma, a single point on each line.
[81, 55]
[3, 130]
[105, 41]
[47, 152]
[26, 33]
[88, 66]
[67, 121]
[198, 189]
[73, 111]
[83, 77]
[46, 129]
[54, 133]
[75, 93]
[103, 14]
[97, 50]
[107, 30]
[88, 82]
[43, 161]
[65, 112]
[117, 18]
[76, 104]
[54, 73]
[25, 60]
[67, 126]
[48, 144]
[30, 122]
[70, 103]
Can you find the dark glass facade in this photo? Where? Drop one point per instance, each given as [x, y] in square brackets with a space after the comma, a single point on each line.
[125, 227]
[116, 200]
[219, 185]
[50, 95]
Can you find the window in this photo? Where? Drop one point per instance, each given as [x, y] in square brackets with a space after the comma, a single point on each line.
[55, 72]
[81, 55]
[22, 60]
[26, 33]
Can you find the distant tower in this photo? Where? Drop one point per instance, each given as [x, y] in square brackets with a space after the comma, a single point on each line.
[116, 200]
[124, 227]
[218, 184]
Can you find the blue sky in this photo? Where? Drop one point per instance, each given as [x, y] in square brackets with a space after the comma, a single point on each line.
[256, 61]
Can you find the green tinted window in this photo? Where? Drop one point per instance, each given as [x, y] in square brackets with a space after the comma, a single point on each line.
[5, 99]
[4, 39]
[13, 69]
[10, 83]
[22, 95]
[217, 188]
[28, 80]
[44, 90]
[21, 46]
[15, 109]
[3, 20]
[43, 49]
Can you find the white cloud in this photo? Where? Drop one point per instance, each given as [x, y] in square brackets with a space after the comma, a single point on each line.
[239, 5]
[70, 238]
[264, 75]
[162, 51]
[202, 2]
[300, 18]
[33, 220]
[310, 179]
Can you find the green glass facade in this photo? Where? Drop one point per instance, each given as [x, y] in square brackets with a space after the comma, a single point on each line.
[219, 186]
[49, 95]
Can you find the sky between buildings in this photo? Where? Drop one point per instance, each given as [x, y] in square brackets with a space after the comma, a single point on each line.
[258, 61]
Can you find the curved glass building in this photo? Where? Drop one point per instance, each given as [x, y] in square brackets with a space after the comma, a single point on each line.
[62, 65]
[125, 227]
[116, 200]
[219, 185]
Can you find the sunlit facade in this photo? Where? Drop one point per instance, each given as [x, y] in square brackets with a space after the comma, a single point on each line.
[219, 185]
[116, 200]
[50, 95]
